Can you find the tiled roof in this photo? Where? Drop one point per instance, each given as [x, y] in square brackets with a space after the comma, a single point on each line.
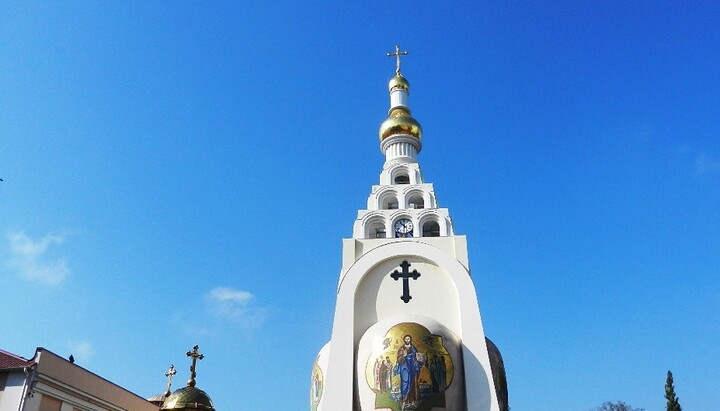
[11, 361]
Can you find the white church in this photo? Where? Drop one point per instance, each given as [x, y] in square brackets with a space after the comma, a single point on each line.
[407, 332]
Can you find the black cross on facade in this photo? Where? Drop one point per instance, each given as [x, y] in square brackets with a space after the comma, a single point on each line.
[405, 276]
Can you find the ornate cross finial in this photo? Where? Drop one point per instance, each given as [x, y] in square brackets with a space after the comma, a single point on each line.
[169, 374]
[397, 55]
[195, 356]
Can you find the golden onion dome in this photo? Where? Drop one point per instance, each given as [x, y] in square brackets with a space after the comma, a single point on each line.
[188, 398]
[399, 122]
[398, 81]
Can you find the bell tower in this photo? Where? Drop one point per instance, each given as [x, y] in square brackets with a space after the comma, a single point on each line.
[407, 332]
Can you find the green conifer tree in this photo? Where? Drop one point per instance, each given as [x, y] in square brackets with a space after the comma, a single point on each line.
[673, 402]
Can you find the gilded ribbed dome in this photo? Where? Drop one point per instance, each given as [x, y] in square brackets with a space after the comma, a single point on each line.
[188, 398]
[398, 81]
[400, 122]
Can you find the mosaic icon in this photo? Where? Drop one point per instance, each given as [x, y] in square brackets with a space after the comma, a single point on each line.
[410, 369]
[316, 386]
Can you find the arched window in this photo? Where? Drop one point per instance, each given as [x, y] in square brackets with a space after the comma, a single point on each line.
[400, 175]
[402, 179]
[431, 228]
[388, 201]
[415, 200]
[375, 228]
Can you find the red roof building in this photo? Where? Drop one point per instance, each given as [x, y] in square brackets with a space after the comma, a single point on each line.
[49, 382]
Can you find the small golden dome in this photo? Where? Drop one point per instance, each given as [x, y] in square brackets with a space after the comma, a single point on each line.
[400, 122]
[157, 399]
[398, 81]
[188, 398]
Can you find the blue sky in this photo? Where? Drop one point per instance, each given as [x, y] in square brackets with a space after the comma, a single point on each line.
[180, 173]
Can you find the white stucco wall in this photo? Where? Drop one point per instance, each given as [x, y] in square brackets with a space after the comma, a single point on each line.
[365, 296]
[12, 394]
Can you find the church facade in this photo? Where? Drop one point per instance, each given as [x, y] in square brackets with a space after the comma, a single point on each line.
[407, 332]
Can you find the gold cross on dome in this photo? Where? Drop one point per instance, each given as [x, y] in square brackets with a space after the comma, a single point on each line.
[195, 356]
[169, 374]
[397, 55]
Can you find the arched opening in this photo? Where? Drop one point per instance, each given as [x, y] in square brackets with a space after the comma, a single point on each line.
[431, 228]
[389, 201]
[416, 200]
[375, 228]
[400, 175]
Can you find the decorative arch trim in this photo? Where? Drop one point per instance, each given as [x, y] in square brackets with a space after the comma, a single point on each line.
[385, 194]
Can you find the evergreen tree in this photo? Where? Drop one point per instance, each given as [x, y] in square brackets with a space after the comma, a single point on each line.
[616, 406]
[673, 402]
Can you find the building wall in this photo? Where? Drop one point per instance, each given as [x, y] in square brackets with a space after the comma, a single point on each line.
[55, 384]
[12, 390]
[55, 375]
